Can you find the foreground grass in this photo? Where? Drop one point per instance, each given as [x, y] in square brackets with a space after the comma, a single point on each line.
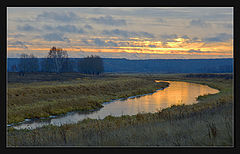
[203, 128]
[207, 123]
[42, 99]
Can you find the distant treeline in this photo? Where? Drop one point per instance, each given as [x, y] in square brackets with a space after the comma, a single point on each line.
[93, 63]
[56, 61]
[169, 65]
[224, 76]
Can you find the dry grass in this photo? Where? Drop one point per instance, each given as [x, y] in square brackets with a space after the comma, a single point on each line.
[207, 123]
[206, 127]
[42, 99]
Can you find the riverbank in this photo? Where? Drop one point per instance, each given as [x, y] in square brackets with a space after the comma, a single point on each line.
[49, 98]
[207, 123]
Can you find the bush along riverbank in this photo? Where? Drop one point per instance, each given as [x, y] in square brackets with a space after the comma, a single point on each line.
[207, 123]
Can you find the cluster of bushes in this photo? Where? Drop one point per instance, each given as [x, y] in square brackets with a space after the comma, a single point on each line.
[58, 61]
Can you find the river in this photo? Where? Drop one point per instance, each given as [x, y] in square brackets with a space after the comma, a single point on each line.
[178, 92]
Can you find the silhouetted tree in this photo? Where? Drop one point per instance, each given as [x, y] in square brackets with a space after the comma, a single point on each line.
[46, 65]
[56, 61]
[91, 65]
[28, 63]
[34, 63]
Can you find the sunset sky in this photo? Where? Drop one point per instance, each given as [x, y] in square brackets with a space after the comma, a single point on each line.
[122, 32]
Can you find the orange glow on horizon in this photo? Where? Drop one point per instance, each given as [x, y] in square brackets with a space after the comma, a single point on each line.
[180, 46]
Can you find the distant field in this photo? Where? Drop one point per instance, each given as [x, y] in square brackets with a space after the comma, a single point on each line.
[207, 123]
[13, 77]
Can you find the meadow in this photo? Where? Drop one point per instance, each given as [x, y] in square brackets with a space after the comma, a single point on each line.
[82, 93]
[207, 123]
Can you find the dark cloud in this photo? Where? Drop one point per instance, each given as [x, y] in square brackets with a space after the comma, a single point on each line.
[170, 36]
[206, 13]
[111, 43]
[145, 34]
[135, 45]
[88, 27]
[85, 41]
[58, 16]
[194, 51]
[153, 46]
[230, 26]
[47, 27]
[199, 23]
[100, 42]
[123, 33]
[185, 37]
[195, 39]
[24, 20]
[15, 35]
[160, 20]
[69, 29]
[55, 37]
[123, 43]
[221, 37]
[64, 28]
[116, 32]
[109, 20]
[198, 51]
[21, 44]
[27, 28]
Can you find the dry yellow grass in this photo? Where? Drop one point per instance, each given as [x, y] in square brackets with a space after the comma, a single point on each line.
[42, 99]
[207, 123]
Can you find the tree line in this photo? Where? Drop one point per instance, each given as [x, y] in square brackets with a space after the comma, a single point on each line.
[58, 61]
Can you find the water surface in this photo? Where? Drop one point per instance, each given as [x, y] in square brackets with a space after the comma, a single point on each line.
[178, 92]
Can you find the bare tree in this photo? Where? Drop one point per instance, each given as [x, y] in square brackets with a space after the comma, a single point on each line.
[23, 63]
[56, 61]
[33, 63]
[28, 63]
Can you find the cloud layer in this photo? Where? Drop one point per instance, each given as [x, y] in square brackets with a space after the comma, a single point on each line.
[64, 29]
[58, 16]
[185, 31]
[199, 23]
[124, 33]
[27, 28]
[109, 20]
[221, 37]
[55, 37]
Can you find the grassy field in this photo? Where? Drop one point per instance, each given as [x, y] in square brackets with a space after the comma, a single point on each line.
[207, 123]
[45, 98]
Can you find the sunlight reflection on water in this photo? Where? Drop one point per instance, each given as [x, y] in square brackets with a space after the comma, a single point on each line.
[177, 93]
